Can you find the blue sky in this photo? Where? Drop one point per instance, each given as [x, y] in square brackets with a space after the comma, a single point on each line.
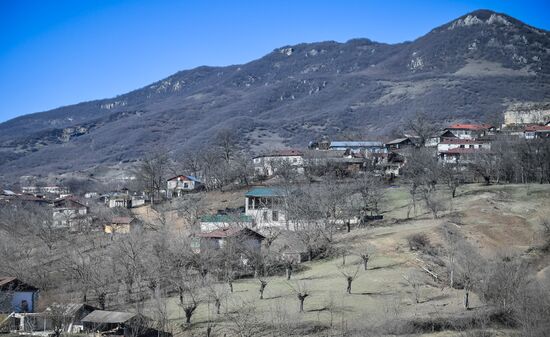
[55, 53]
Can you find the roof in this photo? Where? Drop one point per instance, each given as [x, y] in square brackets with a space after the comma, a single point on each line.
[464, 126]
[462, 151]
[398, 141]
[122, 220]
[230, 232]
[461, 141]
[282, 153]
[183, 177]
[535, 128]
[265, 192]
[102, 316]
[225, 218]
[356, 144]
[14, 284]
[69, 202]
[70, 309]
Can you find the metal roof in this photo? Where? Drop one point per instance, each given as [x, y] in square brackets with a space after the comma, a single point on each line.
[225, 218]
[356, 144]
[102, 316]
[265, 192]
[229, 232]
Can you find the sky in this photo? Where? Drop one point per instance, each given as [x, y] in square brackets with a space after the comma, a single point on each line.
[56, 53]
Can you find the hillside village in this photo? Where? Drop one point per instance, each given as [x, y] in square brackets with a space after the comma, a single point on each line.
[183, 247]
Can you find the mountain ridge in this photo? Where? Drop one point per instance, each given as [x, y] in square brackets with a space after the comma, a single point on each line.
[466, 69]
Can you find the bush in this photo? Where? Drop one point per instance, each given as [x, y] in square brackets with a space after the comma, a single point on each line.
[418, 242]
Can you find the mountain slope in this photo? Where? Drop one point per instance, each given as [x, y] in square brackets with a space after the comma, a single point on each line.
[468, 69]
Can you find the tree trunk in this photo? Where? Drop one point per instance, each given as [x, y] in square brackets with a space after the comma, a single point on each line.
[230, 282]
[467, 300]
[263, 284]
[288, 272]
[348, 226]
[349, 279]
[218, 304]
[301, 298]
[365, 262]
[101, 301]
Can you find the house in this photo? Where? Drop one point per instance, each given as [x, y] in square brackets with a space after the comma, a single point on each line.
[454, 150]
[69, 315]
[246, 238]
[45, 189]
[438, 138]
[400, 143]
[470, 131]
[536, 131]
[17, 296]
[358, 146]
[213, 222]
[67, 212]
[178, 185]
[123, 200]
[122, 225]
[268, 164]
[127, 324]
[265, 206]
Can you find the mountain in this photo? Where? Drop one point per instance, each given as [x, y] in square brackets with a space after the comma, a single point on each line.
[469, 69]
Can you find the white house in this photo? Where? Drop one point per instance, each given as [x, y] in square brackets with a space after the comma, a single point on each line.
[178, 185]
[536, 131]
[454, 150]
[67, 212]
[265, 206]
[268, 164]
[470, 131]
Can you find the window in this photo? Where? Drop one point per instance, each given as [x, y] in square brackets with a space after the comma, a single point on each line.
[185, 185]
[275, 215]
[461, 146]
[250, 203]
[471, 146]
[264, 216]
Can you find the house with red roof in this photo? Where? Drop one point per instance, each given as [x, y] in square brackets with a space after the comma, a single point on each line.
[536, 131]
[470, 131]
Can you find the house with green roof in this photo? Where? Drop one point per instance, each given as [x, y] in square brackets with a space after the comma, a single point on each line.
[265, 205]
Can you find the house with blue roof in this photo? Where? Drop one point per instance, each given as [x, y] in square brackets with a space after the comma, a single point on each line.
[358, 146]
[178, 185]
[265, 205]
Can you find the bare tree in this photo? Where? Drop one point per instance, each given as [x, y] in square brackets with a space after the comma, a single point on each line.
[423, 126]
[349, 272]
[300, 289]
[152, 172]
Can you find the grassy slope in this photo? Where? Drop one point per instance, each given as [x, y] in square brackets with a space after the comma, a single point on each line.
[492, 218]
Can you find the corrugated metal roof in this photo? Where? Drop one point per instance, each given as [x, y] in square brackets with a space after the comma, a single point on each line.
[230, 231]
[265, 192]
[102, 316]
[225, 218]
[397, 141]
[356, 144]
